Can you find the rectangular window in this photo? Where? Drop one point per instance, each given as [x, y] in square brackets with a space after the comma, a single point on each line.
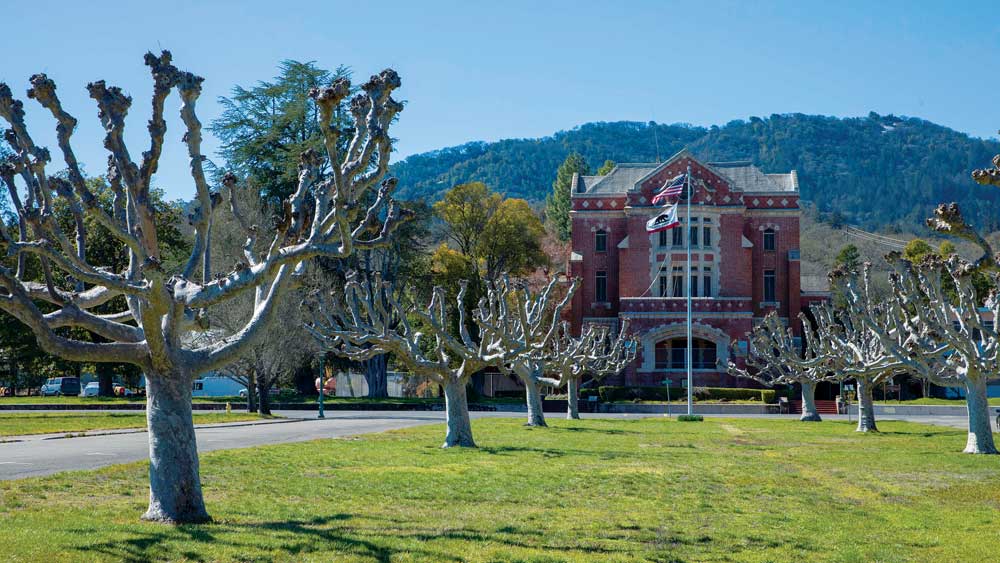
[678, 236]
[769, 290]
[663, 238]
[693, 233]
[664, 286]
[706, 236]
[678, 354]
[769, 243]
[694, 282]
[707, 281]
[602, 286]
[678, 285]
[662, 355]
[601, 241]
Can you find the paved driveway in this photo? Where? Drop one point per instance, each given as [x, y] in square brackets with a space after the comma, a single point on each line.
[35, 456]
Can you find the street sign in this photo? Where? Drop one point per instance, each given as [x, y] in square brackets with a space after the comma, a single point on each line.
[667, 382]
[684, 383]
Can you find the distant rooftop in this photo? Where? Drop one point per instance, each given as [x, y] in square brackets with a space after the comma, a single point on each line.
[742, 176]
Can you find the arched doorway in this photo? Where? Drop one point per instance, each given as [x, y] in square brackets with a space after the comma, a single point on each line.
[663, 348]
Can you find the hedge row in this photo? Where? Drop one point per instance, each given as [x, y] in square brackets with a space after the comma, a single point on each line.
[650, 393]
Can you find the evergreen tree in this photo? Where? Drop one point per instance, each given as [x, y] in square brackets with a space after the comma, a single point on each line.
[606, 168]
[558, 204]
[849, 257]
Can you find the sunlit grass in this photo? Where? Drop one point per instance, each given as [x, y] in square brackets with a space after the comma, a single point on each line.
[746, 490]
[20, 424]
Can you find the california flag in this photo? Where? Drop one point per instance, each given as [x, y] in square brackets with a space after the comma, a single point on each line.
[663, 221]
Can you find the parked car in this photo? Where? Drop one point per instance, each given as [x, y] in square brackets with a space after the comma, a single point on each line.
[92, 389]
[122, 391]
[60, 386]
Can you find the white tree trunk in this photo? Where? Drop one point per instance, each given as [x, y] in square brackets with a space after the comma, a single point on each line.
[174, 483]
[573, 398]
[980, 431]
[866, 407]
[536, 417]
[809, 412]
[459, 426]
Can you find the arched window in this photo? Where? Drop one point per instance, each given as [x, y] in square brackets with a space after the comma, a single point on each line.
[601, 241]
[769, 240]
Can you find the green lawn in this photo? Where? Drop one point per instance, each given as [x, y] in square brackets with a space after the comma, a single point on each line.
[20, 424]
[994, 401]
[652, 490]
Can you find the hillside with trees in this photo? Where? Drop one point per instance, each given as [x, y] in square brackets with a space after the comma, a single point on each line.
[857, 170]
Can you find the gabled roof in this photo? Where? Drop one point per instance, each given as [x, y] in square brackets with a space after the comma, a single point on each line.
[742, 176]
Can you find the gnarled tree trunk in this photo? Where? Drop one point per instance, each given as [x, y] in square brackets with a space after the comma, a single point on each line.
[573, 398]
[458, 422]
[980, 439]
[536, 417]
[866, 407]
[105, 380]
[376, 376]
[809, 412]
[174, 483]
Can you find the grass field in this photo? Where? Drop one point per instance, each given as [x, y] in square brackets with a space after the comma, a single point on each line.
[594, 490]
[20, 424]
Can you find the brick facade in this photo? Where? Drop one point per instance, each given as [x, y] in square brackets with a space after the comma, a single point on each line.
[745, 262]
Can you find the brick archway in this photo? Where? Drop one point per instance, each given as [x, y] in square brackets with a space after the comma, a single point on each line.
[651, 337]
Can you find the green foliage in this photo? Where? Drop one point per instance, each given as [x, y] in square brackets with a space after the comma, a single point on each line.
[612, 393]
[917, 249]
[946, 249]
[606, 168]
[264, 129]
[559, 203]
[870, 171]
[849, 257]
[690, 418]
[496, 235]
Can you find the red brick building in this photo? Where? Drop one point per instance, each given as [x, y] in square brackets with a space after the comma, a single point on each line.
[744, 233]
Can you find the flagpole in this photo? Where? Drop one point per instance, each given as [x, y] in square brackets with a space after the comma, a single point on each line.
[687, 223]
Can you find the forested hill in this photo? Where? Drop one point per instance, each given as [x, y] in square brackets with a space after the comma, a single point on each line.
[877, 171]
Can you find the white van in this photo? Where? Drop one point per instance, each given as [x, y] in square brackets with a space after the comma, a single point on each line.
[216, 386]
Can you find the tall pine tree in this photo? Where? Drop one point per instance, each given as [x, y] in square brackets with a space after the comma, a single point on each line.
[558, 204]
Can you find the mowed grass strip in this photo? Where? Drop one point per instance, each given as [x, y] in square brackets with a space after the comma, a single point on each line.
[594, 490]
[23, 424]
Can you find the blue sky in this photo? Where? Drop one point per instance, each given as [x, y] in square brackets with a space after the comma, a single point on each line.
[492, 70]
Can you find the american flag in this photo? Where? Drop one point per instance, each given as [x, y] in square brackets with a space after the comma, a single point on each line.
[673, 188]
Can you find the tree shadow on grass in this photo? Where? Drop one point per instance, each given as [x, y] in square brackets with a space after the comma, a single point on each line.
[612, 431]
[322, 534]
[288, 537]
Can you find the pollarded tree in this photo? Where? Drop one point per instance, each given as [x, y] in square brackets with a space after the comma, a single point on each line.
[522, 326]
[949, 335]
[370, 320]
[323, 217]
[597, 352]
[777, 358]
[850, 337]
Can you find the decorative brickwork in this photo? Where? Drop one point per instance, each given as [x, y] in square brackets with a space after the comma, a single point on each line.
[745, 262]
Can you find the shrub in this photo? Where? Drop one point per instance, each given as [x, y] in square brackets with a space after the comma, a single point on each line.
[611, 393]
[690, 418]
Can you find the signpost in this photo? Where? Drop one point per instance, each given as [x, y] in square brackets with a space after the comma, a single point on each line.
[322, 384]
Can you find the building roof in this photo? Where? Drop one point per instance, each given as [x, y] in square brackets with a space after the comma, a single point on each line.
[620, 180]
[814, 283]
[742, 176]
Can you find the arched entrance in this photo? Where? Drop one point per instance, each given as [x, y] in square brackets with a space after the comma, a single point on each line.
[664, 348]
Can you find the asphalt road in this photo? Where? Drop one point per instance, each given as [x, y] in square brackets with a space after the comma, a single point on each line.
[36, 456]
